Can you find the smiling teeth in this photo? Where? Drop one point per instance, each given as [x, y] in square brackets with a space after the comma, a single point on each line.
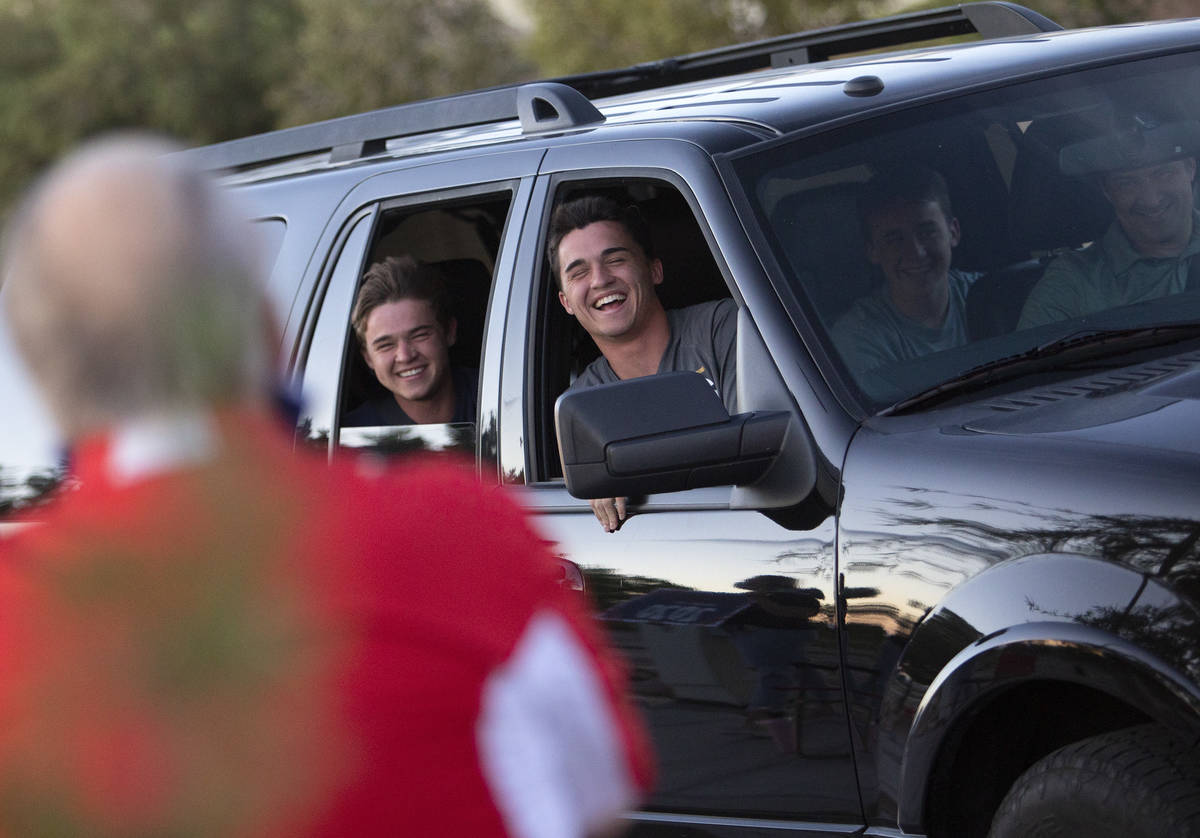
[611, 298]
[410, 373]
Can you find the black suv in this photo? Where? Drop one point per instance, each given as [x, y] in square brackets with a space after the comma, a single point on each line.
[954, 595]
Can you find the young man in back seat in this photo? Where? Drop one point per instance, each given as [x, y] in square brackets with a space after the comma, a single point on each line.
[405, 328]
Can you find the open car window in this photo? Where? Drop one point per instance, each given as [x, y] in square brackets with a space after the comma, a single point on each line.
[690, 275]
[459, 238]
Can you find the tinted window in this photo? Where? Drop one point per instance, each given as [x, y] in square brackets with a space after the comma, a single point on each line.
[1029, 175]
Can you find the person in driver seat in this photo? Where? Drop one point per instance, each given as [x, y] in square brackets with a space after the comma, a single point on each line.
[1146, 168]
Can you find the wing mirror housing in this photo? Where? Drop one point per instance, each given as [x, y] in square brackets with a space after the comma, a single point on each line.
[661, 433]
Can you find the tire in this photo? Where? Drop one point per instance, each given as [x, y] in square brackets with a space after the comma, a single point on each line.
[1140, 782]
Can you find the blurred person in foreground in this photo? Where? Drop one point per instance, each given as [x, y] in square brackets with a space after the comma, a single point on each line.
[215, 635]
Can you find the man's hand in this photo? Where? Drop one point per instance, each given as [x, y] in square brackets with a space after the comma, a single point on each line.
[610, 512]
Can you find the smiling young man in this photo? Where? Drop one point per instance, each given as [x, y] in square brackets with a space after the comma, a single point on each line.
[405, 329]
[1147, 171]
[911, 233]
[604, 259]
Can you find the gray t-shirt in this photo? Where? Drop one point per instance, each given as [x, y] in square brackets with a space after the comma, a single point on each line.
[703, 340]
[873, 333]
[1108, 274]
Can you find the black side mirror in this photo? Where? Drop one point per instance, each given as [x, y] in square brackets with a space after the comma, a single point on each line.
[662, 433]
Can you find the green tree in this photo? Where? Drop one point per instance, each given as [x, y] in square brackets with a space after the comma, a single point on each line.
[351, 57]
[1073, 14]
[574, 36]
[195, 69]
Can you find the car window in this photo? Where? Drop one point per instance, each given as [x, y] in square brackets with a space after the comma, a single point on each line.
[458, 239]
[690, 275]
[1025, 170]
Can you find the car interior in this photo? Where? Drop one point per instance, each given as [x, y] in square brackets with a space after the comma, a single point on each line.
[461, 240]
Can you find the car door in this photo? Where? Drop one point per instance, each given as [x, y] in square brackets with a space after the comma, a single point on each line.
[460, 217]
[728, 618]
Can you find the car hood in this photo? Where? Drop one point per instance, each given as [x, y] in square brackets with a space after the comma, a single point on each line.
[1163, 413]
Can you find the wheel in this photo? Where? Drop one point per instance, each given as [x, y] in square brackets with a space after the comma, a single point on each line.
[1140, 782]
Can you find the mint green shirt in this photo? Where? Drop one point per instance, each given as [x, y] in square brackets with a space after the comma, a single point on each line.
[872, 333]
[1108, 274]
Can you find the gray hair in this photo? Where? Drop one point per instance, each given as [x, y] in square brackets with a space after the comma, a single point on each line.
[132, 287]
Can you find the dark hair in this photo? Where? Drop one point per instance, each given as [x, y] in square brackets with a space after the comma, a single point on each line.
[908, 184]
[400, 278]
[578, 213]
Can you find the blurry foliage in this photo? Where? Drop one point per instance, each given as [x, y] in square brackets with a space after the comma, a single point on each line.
[352, 57]
[209, 70]
[1077, 13]
[72, 68]
[573, 36]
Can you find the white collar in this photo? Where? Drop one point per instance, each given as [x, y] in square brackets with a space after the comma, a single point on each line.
[151, 445]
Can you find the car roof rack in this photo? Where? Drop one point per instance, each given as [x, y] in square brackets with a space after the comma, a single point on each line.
[989, 19]
[565, 103]
[540, 106]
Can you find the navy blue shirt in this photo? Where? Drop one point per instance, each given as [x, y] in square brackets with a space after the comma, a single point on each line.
[384, 410]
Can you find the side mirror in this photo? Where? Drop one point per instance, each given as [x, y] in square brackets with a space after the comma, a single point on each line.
[662, 433]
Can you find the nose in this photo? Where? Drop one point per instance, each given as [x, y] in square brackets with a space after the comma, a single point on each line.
[406, 350]
[1149, 195]
[913, 248]
[601, 275]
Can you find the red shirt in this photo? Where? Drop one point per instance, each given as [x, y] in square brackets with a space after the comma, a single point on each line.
[214, 634]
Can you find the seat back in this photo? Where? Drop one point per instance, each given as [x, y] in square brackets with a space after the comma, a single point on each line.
[819, 232]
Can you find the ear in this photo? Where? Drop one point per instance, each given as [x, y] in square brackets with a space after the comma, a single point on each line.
[872, 251]
[562, 298]
[656, 271]
[1102, 181]
[451, 331]
[955, 232]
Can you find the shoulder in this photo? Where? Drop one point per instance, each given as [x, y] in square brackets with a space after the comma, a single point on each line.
[707, 327]
[963, 279]
[865, 334]
[960, 285]
[864, 312]
[597, 372]
[711, 311]
[378, 410]
[1075, 263]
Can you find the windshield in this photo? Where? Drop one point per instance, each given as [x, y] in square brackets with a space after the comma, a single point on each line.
[931, 241]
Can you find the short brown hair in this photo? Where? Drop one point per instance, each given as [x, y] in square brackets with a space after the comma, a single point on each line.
[910, 184]
[580, 212]
[400, 278]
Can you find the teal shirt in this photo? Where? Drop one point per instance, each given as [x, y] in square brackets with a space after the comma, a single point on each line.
[873, 333]
[1108, 274]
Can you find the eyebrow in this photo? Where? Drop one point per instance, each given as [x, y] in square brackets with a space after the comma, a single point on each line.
[391, 336]
[606, 252]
